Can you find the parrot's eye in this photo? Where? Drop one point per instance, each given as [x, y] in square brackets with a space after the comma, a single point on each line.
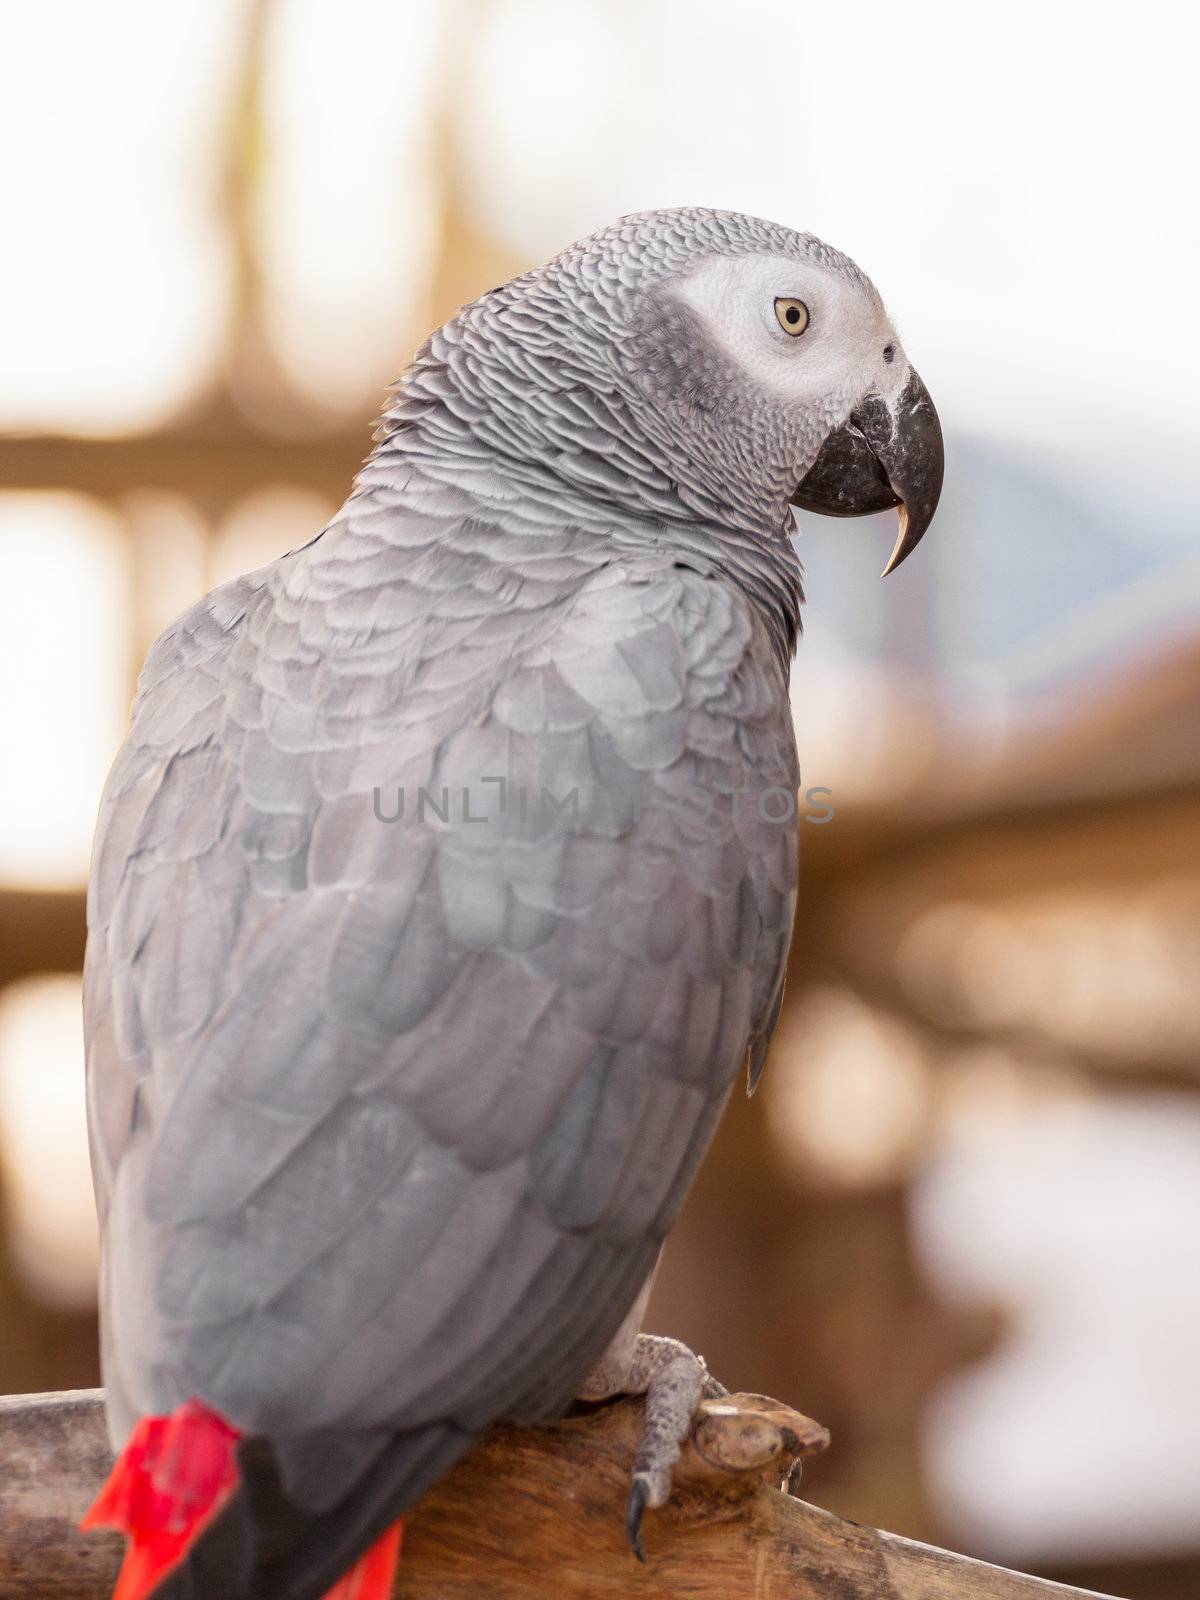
[791, 315]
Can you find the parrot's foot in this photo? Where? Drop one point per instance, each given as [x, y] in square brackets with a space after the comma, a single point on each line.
[674, 1382]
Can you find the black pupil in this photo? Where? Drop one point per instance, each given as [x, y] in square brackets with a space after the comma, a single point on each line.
[792, 314]
[889, 350]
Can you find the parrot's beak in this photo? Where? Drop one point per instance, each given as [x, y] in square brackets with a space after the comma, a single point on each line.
[882, 456]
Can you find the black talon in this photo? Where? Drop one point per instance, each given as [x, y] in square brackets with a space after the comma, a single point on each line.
[795, 1473]
[635, 1508]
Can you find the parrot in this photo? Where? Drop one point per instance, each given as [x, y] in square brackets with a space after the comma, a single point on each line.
[443, 888]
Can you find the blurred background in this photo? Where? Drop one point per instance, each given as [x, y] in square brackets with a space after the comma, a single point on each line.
[961, 1222]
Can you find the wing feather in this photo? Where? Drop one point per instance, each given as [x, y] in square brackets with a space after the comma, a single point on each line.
[390, 1117]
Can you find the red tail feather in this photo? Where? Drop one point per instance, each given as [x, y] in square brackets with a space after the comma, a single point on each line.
[171, 1479]
[371, 1576]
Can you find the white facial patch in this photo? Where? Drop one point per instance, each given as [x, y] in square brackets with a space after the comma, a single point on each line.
[837, 358]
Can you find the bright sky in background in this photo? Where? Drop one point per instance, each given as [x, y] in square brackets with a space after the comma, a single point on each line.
[116, 281]
[348, 215]
[49, 1208]
[64, 631]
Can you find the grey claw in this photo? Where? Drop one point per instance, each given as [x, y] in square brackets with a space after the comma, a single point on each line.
[792, 1481]
[635, 1507]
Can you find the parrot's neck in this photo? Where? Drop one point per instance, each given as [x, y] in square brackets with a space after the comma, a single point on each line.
[439, 448]
[420, 471]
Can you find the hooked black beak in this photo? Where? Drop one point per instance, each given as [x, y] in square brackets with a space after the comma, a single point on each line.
[881, 458]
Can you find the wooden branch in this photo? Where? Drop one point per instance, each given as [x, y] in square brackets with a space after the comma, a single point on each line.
[536, 1512]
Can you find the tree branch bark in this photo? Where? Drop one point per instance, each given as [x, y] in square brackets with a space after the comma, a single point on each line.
[536, 1512]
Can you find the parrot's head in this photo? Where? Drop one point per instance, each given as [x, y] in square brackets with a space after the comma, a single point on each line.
[705, 360]
[793, 347]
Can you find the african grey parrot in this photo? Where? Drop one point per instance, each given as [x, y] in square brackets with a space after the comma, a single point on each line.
[443, 884]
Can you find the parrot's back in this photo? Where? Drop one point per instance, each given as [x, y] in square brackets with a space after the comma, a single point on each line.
[439, 890]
